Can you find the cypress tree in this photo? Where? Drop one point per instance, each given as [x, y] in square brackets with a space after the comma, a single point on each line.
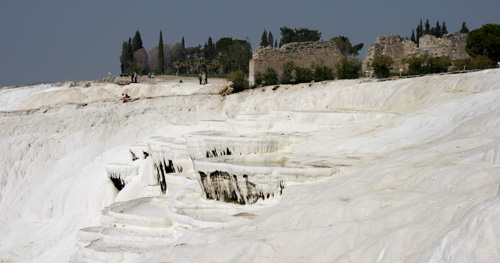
[427, 28]
[276, 43]
[437, 30]
[263, 41]
[420, 32]
[137, 42]
[125, 57]
[131, 51]
[270, 39]
[444, 30]
[464, 28]
[161, 56]
[412, 38]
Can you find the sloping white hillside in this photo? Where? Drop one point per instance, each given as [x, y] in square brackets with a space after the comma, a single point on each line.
[345, 171]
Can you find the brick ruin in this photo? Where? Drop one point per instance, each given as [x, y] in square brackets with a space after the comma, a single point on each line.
[450, 45]
[305, 53]
[302, 54]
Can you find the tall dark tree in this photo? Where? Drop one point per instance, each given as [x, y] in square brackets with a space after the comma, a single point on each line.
[412, 38]
[131, 51]
[275, 43]
[270, 39]
[161, 55]
[263, 39]
[420, 32]
[209, 50]
[444, 30]
[437, 30]
[427, 29]
[137, 42]
[464, 28]
[126, 57]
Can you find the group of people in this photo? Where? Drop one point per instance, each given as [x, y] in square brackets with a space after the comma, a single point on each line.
[203, 78]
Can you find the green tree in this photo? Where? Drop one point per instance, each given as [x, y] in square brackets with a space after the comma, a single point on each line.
[444, 30]
[348, 68]
[161, 55]
[289, 35]
[412, 38]
[263, 39]
[287, 73]
[345, 46]
[464, 28]
[382, 66]
[484, 41]
[427, 29]
[125, 58]
[270, 39]
[137, 42]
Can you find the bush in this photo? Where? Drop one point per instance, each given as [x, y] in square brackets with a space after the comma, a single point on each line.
[348, 68]
[268, 77]
[303, 75]
[288, 70]
[382, 66]
[239, 80]
[322, 72]
[426, 64]
[479, 62]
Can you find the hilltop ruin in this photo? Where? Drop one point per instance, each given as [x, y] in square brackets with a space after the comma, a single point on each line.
[396, 47]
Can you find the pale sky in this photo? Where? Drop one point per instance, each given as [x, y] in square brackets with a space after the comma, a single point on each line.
[50, 41]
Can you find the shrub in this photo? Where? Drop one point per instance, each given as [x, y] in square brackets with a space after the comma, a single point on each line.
[382, 66]
[425, 64]
[288, 70]
[303, 75]
[348, 68]
[268, 77]
[479, 62]
[322, 72]
[239, 80]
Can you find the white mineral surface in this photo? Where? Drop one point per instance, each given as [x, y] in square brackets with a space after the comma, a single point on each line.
[404, 170]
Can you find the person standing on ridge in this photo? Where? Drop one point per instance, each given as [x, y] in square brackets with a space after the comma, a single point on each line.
[135, 77]
[149, 77]
[206, 78]
[199, 77]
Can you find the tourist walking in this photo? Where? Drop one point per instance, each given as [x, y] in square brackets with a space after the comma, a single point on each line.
[204, 77]
[199, 77]
[149, 77]
[135, 77]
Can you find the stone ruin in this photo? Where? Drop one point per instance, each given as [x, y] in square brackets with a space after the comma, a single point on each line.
[302, 54]
[450, 45]
[306, 53]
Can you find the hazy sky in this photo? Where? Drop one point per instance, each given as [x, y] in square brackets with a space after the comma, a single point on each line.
[49, 41]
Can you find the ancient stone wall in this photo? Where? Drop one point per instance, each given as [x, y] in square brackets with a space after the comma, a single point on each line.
[302, 54]
[450, 45]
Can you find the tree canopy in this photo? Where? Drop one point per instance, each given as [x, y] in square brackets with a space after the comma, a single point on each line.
[484, 41]
[289, 35]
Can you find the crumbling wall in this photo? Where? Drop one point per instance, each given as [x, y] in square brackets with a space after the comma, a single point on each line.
[450, 45]
[303, 54]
